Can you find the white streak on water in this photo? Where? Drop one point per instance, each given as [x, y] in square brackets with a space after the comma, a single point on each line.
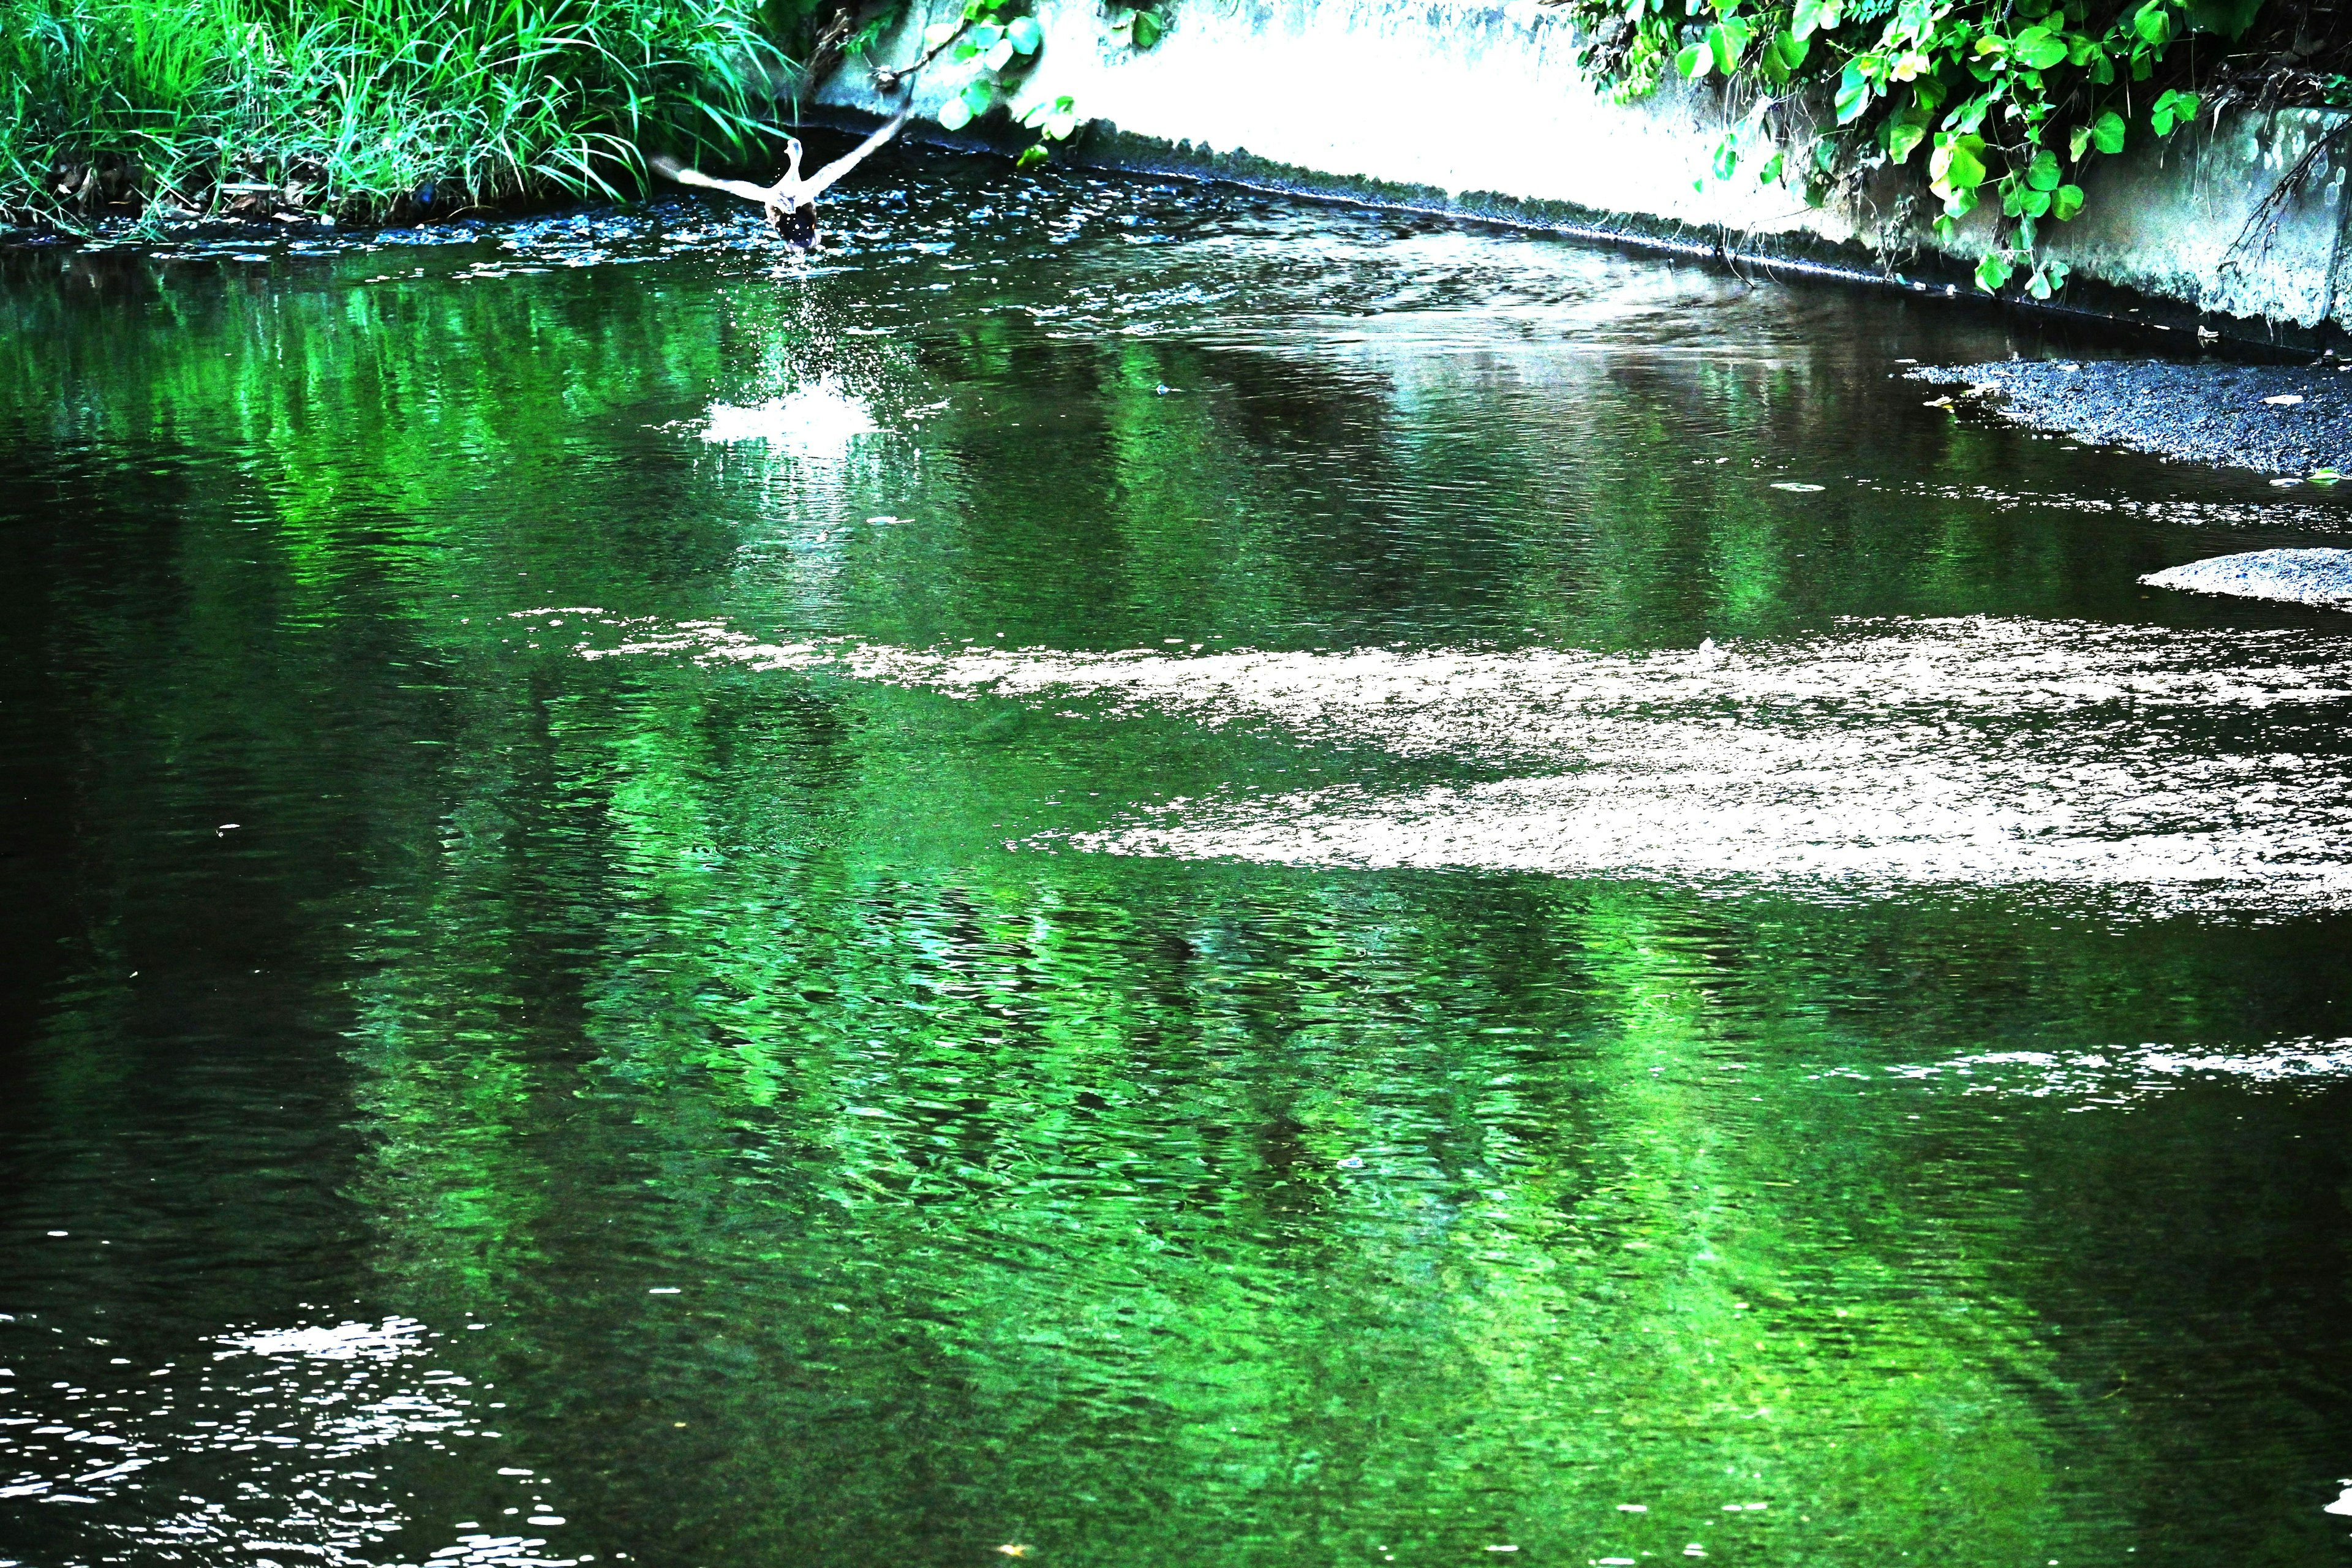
[2126, 1075]
[2176, 770]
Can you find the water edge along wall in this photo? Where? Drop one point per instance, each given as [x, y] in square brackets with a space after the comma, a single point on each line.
[1463, 106]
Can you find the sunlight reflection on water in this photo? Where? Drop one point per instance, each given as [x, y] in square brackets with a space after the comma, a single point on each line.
[254, 1443]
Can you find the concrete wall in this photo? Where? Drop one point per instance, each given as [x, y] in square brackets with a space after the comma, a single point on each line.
[1477, 105]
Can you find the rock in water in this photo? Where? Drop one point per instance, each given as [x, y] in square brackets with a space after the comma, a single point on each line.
[2291, 576]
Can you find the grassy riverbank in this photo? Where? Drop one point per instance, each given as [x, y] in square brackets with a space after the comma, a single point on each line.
[360, 110]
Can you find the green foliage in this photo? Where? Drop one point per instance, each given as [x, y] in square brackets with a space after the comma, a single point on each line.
[352, 108]
[1006, 41]
[2009, 101]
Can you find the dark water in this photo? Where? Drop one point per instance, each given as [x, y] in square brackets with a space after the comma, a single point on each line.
[1074, 879]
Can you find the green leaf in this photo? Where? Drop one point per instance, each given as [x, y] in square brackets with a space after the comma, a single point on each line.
[1957, 165]
[2153, 23]
[1148, 28]
[2037, 49]
[2171, 109]
[1782, 54]
[2034, 203]
[1726, 157]
[2066, 202]
[1773, 168]
[1695, 60]
[2038, 285]
[984, 37]
[1993, 272]
[2107, 133]
[1025, 33]
[954, 115]
[2076, 140]
[1815, 16]
[1904, 138]
[1728, 43]
[2042, 172]
[1033, 154]
[978, 95]
[1853, 95]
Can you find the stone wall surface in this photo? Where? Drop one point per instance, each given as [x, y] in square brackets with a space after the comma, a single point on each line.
[1478, 106]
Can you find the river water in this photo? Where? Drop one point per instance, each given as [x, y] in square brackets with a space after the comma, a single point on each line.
[1128, 875]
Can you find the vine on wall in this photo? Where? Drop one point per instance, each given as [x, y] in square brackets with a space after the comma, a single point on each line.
[1004, 38]
[2009, 101]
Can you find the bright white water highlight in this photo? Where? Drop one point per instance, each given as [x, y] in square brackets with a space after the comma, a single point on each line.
[271, 1446]
[1881, 756]
[819, 420]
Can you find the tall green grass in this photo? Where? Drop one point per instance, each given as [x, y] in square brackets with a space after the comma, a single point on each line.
[352, 108]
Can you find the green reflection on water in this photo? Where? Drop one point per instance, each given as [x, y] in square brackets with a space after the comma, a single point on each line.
[1130, 1210]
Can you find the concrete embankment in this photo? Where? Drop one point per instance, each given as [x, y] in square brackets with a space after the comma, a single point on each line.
[1477, 106]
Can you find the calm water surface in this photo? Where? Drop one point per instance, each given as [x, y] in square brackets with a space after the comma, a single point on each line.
[1140, 876]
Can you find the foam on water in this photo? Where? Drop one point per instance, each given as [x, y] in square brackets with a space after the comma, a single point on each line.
[1883, 755]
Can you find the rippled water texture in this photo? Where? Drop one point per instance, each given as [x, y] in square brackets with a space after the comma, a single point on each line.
[1129, 874]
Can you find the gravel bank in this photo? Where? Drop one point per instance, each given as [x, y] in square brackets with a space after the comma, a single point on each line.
[2288, 576]
[2208, 411]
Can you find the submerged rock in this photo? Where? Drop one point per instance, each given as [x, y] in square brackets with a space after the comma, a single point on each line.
[2291, 576]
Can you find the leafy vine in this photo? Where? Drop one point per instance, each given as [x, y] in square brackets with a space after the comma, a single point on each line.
[2011, 99]
[1005, 40]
